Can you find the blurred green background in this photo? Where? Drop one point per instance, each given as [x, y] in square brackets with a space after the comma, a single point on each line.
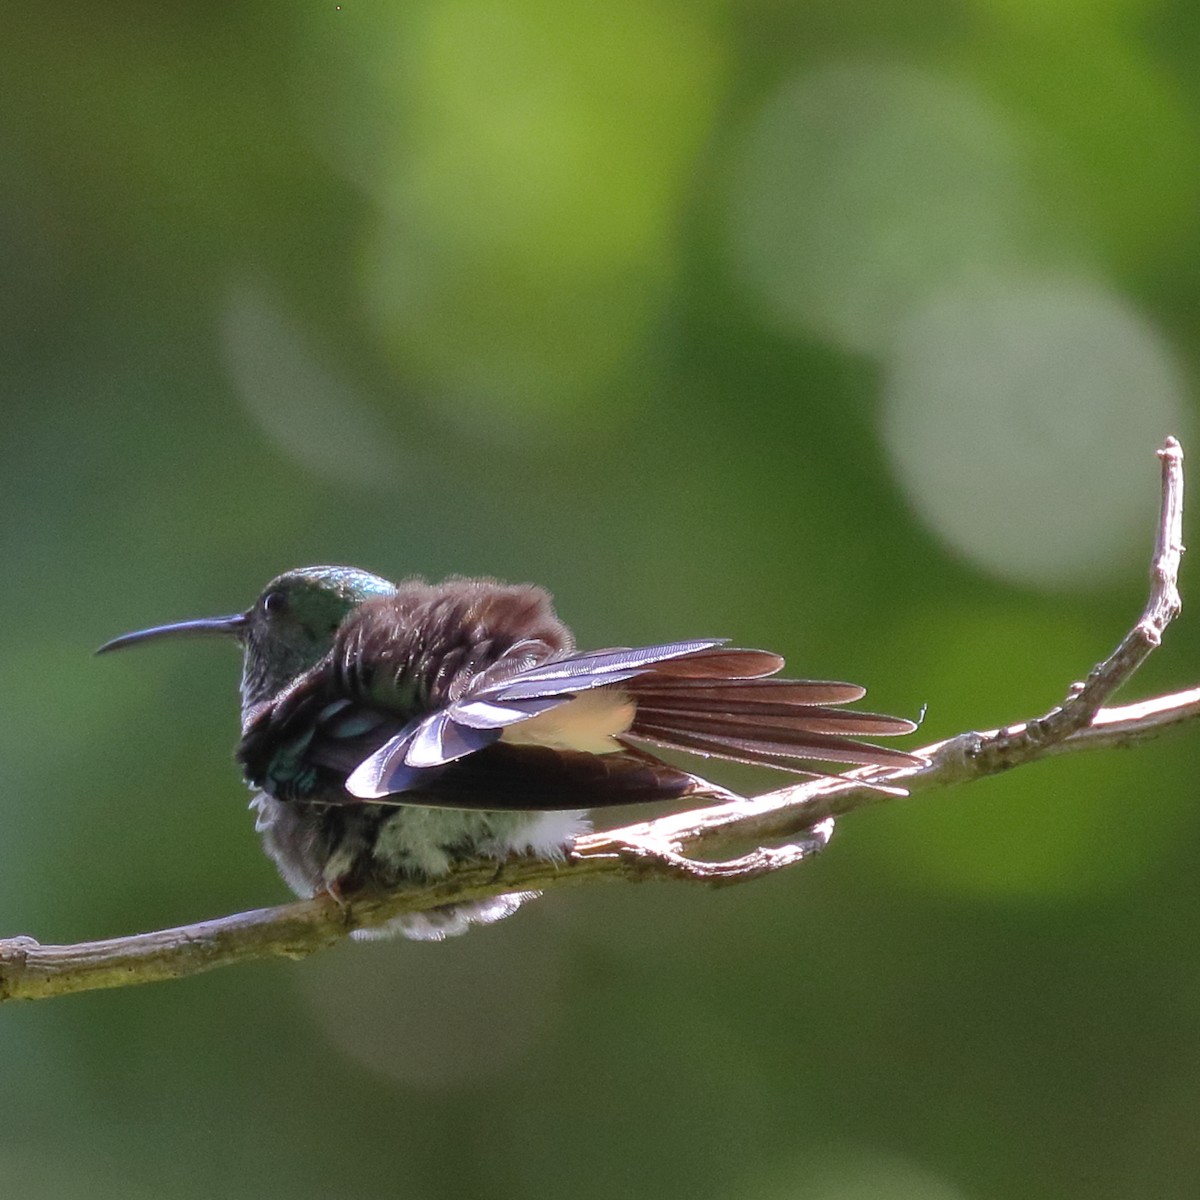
[847, 329]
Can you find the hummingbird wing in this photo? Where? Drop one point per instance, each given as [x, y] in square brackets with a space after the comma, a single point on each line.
[699, 696]
[511, 696]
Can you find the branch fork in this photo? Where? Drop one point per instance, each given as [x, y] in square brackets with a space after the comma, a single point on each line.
[655, 857]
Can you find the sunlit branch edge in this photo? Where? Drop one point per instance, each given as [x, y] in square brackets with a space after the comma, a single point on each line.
[798, 818]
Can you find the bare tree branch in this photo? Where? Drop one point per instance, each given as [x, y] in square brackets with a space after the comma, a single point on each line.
[800, 816]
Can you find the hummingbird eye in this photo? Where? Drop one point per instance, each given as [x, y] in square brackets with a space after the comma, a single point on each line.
[275, 603]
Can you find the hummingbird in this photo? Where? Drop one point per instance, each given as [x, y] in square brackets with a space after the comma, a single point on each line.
[391, 730]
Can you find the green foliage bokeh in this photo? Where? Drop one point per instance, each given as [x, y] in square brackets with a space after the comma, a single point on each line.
[847, 329]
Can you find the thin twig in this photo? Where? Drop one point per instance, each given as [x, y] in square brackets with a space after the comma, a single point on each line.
[800, 816]
[1162, 607]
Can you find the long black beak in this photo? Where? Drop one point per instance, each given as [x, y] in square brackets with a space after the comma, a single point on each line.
[202, 627]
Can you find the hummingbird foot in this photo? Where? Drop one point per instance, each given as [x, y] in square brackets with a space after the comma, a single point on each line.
[332, 888]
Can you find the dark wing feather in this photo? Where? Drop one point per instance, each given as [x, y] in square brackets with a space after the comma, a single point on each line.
[727, 709]
[301, 743]
[719, 663]
[784, 691]
[535, 778]
[718, 715]
[769, 751]
[596, 668]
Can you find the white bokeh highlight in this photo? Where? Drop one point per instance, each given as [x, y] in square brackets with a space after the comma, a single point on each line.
[1018, 415]
[864, 187]
[854, 1174]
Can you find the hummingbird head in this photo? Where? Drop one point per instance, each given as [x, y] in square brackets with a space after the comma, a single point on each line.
[289, 628]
